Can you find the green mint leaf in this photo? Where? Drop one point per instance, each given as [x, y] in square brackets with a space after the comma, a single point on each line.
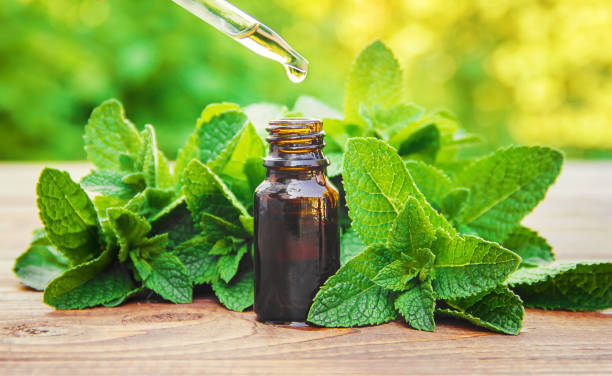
[205, 192]
[411, 229]
[312, 107]
[169, 278]
[195, 255]
[237, 296]
[375, 79]
[123, 298]
[176, 222]
[389, 121]
[505, 186]
[88, 284]
[153, 203]
[454, 202]
[69, 217]
[261, 113]
[499, 310]
[109, 183]
[395, 276]
[433, 183]
[218, 124]
[130, 229]
[469, 265]
[223, 246]
[143, 267]
[216, 228]
[417, 306]
[154, 164]
[227, 266]
[350, 298]
[533, 249]
[231, 162]
[150, 247]
[255, 173]
[40, 264]
[583, 286]
[422, 144]
[335, 163]
[350, 246]
[108, 134]
[377, 185]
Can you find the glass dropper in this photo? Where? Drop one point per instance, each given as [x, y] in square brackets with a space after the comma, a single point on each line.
[251, 33]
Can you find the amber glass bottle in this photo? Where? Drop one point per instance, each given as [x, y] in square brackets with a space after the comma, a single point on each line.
[297, 243]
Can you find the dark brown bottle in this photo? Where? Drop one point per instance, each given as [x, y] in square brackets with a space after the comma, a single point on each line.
[297, 245]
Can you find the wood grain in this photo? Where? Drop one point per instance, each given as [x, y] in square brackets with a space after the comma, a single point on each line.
[204, 338]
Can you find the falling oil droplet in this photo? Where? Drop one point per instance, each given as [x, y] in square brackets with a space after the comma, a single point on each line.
[295, 74]
[265, 42]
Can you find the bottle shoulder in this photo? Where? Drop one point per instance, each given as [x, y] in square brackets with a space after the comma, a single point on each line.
[296, 188]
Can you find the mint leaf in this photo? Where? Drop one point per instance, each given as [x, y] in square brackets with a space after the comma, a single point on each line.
[218, 124]
[395, 276]
[153, 203]
[375, 79]
[109, 183]
[231, 162]
[417, 306]
[255, 173]
[154, 165]
[350, 298]
[108, 135]
[170, 279]
[583, 286]
[88, 285]
[195, 255]
[70, 220]
[216, 228]
[433, 183]
[312, 107]
[177, 223]
[237, 296]
[422, 144]
[206, 193]
[120, 300]
[227, 266]
[533, 249]
[377, 185]
[469, 265]
[454, 202]
[350, 246]
[499, 310]
[261, 113]
[505, 186]
[386, 122]
[411, 229]
[40, 264]
[130, 229]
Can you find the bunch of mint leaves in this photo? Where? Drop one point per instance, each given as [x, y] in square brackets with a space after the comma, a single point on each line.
[427, 233]
[434, 234]
[147, 229]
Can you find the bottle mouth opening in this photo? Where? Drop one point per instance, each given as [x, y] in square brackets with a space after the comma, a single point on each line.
[295, 142]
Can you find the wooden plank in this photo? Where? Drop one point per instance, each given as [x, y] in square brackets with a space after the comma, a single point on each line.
[203, 337]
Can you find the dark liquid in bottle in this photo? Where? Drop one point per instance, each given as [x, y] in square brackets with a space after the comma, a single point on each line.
[297, 246]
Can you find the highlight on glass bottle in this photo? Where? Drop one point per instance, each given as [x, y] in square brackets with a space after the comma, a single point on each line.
[296, 222]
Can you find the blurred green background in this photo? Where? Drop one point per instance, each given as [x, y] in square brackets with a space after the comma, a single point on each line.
[512, 70]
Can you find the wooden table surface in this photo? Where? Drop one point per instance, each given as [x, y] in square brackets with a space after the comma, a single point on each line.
[204, 338]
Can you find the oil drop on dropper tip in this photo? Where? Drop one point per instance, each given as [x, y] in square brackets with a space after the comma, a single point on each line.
[249, 32]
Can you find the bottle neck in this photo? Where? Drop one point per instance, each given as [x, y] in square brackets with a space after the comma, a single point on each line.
[295, 143]
[279, 174]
